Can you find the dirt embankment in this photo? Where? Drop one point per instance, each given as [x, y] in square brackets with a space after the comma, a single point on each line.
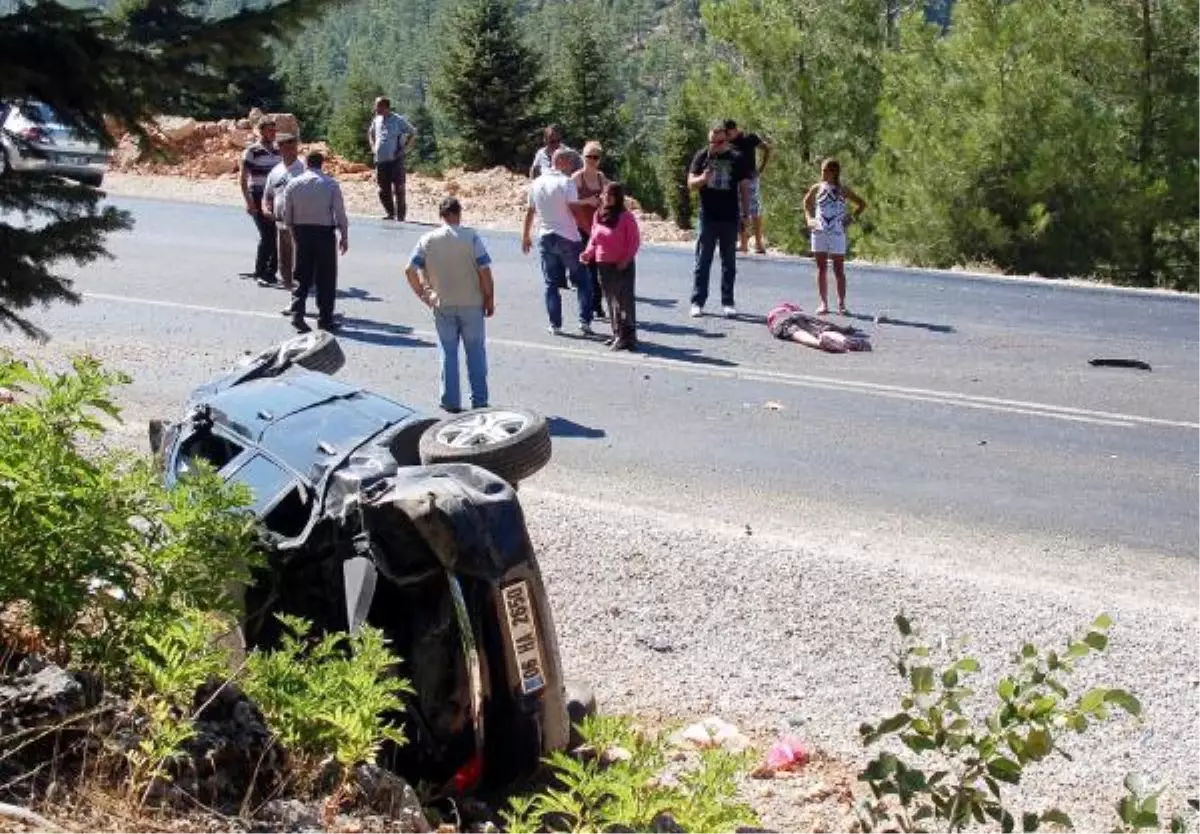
[199, 162]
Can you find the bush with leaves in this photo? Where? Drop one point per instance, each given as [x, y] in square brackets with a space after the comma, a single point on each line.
[974, 758]
[327, 698]
[623, 786]
[98, 554]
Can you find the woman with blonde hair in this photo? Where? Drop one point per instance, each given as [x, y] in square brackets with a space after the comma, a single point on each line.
[825, 210]
[590, 183]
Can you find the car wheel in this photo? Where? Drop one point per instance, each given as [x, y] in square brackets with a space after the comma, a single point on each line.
[511, 443]
[93, 180]
[316, 351]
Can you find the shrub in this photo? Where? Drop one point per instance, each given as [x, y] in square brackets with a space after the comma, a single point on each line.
[98, 554]
[1035, 710]
[623, 787]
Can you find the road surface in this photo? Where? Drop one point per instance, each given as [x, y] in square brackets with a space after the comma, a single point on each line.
[977, 406]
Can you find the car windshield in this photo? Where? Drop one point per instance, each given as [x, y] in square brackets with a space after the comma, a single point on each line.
[37, 112]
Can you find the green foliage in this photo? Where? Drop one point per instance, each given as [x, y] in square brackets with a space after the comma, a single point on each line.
[98, 553]
[489, 85]
[307, 100]
[89, 67]
[975, 758]
[353, 114]
[328, 697]
[623, 787]
[640, 177]
[1138, 809]
[425, 153]
[583, 96]
[685, 134]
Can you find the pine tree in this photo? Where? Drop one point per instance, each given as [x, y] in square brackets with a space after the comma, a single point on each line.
[684, 135]
[489, 85]
[89, 67]
[426, 147]
[353, 113]
[583, 96]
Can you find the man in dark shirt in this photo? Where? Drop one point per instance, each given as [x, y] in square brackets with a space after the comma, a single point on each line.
[720, 175]
[747, 144]
[257, 162]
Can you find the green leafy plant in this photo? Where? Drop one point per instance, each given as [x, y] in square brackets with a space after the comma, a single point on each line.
[625, 784]
[168, 669]
[327, 698]
[98, 554]
[1138, 809]
[975, 758]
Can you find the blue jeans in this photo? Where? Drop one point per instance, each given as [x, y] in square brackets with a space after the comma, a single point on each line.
[722, 233]
[465, 324]
[560, 258]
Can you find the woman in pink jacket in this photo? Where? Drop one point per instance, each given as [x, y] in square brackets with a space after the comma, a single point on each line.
[613, 247]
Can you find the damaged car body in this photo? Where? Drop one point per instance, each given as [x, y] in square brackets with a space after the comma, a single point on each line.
[375, 514]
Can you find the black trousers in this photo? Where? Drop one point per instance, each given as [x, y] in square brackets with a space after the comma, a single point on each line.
[598, 297]
[316, 265]
[266, 259]
[390, 177]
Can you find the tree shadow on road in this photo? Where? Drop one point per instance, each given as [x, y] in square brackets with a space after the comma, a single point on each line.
[380, 333]
[657, 302]
[920, 325]
[562, 427]
[357, 294]
[677, 329]
[690, 355]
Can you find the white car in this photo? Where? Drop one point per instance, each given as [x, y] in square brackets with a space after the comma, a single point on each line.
[33, 139]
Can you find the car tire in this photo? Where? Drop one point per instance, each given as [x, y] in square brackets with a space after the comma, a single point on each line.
[92, 180]
[318, 351]
[511, 443]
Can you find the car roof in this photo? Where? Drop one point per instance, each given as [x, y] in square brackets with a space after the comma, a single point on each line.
[304, 418]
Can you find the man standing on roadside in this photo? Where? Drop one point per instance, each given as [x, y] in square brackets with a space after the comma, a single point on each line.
[747, 144]
[257, 162]
[720, 175]
[390, 136]
[553, 198]
[314, 210]
[289, 166]
[450, 270]
[543, 160]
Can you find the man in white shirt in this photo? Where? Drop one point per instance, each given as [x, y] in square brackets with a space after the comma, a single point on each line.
[450, 270]
[289, 166]
[552, 199]
[390, 136]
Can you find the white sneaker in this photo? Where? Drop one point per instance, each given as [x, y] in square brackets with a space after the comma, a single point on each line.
[697, 311]
[730, 311]
[554, 331]
[586, 330]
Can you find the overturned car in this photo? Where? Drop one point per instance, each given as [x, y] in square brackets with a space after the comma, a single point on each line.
[375, 514]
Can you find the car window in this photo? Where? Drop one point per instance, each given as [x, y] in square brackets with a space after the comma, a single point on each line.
[38, 113]
[207, 446]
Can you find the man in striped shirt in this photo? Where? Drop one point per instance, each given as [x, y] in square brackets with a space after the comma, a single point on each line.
[257, 162]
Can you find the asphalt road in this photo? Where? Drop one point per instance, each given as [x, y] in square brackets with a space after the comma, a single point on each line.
[977, 406]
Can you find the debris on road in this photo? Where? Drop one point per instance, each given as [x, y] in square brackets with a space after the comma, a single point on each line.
[711, 732]
[1120, 363]
[788, 753]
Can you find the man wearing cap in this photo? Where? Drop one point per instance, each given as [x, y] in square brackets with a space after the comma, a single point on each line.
[450, 270]
[390, 136]
[289, 166]
[315, 212]
[257, 162]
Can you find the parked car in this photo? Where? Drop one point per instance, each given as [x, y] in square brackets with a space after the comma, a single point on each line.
[32, 138]
[376, 514]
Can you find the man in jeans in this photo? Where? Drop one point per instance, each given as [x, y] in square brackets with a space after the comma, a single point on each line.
[390, 136]
[552, 199]
[450, 270]
[721, 177]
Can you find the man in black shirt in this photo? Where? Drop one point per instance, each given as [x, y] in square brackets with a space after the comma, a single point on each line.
[747, 144]
[720, 175]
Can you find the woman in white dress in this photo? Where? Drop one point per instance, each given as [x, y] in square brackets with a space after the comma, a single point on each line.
[825, 209]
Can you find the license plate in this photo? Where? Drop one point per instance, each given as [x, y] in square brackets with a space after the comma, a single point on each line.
[522, 631]
[74, 160]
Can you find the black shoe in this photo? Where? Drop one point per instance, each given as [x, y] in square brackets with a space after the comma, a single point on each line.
[389, 217]
[329, 326]
[451, 409]
[301, 325]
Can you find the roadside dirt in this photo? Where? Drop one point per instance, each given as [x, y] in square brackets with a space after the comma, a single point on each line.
[199, 163]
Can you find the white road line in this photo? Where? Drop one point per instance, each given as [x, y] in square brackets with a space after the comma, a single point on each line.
[972, 401]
